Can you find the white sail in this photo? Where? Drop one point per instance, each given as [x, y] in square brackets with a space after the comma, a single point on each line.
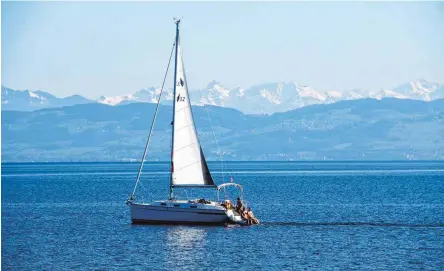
[189, 167]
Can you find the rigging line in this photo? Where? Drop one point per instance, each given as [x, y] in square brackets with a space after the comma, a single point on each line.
[152, 125]
[215, 139]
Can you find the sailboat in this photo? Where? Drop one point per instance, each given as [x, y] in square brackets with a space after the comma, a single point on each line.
[188, 167]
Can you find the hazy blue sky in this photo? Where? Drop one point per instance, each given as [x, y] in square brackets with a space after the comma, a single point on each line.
[113, 48]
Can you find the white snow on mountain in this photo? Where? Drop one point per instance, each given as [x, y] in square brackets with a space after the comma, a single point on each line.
[146, 95]
[34, 95]
[385, 93]
[279, 97]
[272, 97]
[213, 94]
[265, 98]
[333, 94]
[309, 93]
[114, 100]
[26, 100]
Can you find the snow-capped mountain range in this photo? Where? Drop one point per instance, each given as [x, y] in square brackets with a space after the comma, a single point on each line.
[26, 100]
[281, 97]
[259, 99]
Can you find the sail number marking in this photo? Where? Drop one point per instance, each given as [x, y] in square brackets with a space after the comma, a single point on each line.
[180, 98]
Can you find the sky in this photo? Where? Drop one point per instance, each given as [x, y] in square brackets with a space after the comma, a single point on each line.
[113, 48]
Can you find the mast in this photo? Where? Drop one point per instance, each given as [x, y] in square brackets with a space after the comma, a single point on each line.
[177, 22]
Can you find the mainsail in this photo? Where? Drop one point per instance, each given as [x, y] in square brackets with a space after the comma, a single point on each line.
[189, 167]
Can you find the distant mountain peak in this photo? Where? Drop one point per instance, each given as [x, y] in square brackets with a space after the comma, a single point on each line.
[282, 96]
[28, 100]
[213, 83]
[264, 98]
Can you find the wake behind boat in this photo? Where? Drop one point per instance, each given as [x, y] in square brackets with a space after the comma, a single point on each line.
[189, 169]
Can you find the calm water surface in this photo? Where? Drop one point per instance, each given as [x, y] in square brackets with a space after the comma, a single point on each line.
[315, 216]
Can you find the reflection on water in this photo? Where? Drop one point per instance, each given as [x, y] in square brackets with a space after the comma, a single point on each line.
[187, 245]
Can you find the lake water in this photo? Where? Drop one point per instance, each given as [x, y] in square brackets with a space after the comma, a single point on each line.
[315, 216]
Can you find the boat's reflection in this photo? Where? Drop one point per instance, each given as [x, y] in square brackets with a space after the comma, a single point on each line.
[185, 246]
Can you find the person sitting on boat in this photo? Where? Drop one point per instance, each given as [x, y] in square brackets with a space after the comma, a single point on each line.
[239, 205]
[244, 214]
[250, 216]
[203, 201]
[227, 204]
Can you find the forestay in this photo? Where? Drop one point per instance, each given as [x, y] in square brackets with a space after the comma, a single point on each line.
[189, 167]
